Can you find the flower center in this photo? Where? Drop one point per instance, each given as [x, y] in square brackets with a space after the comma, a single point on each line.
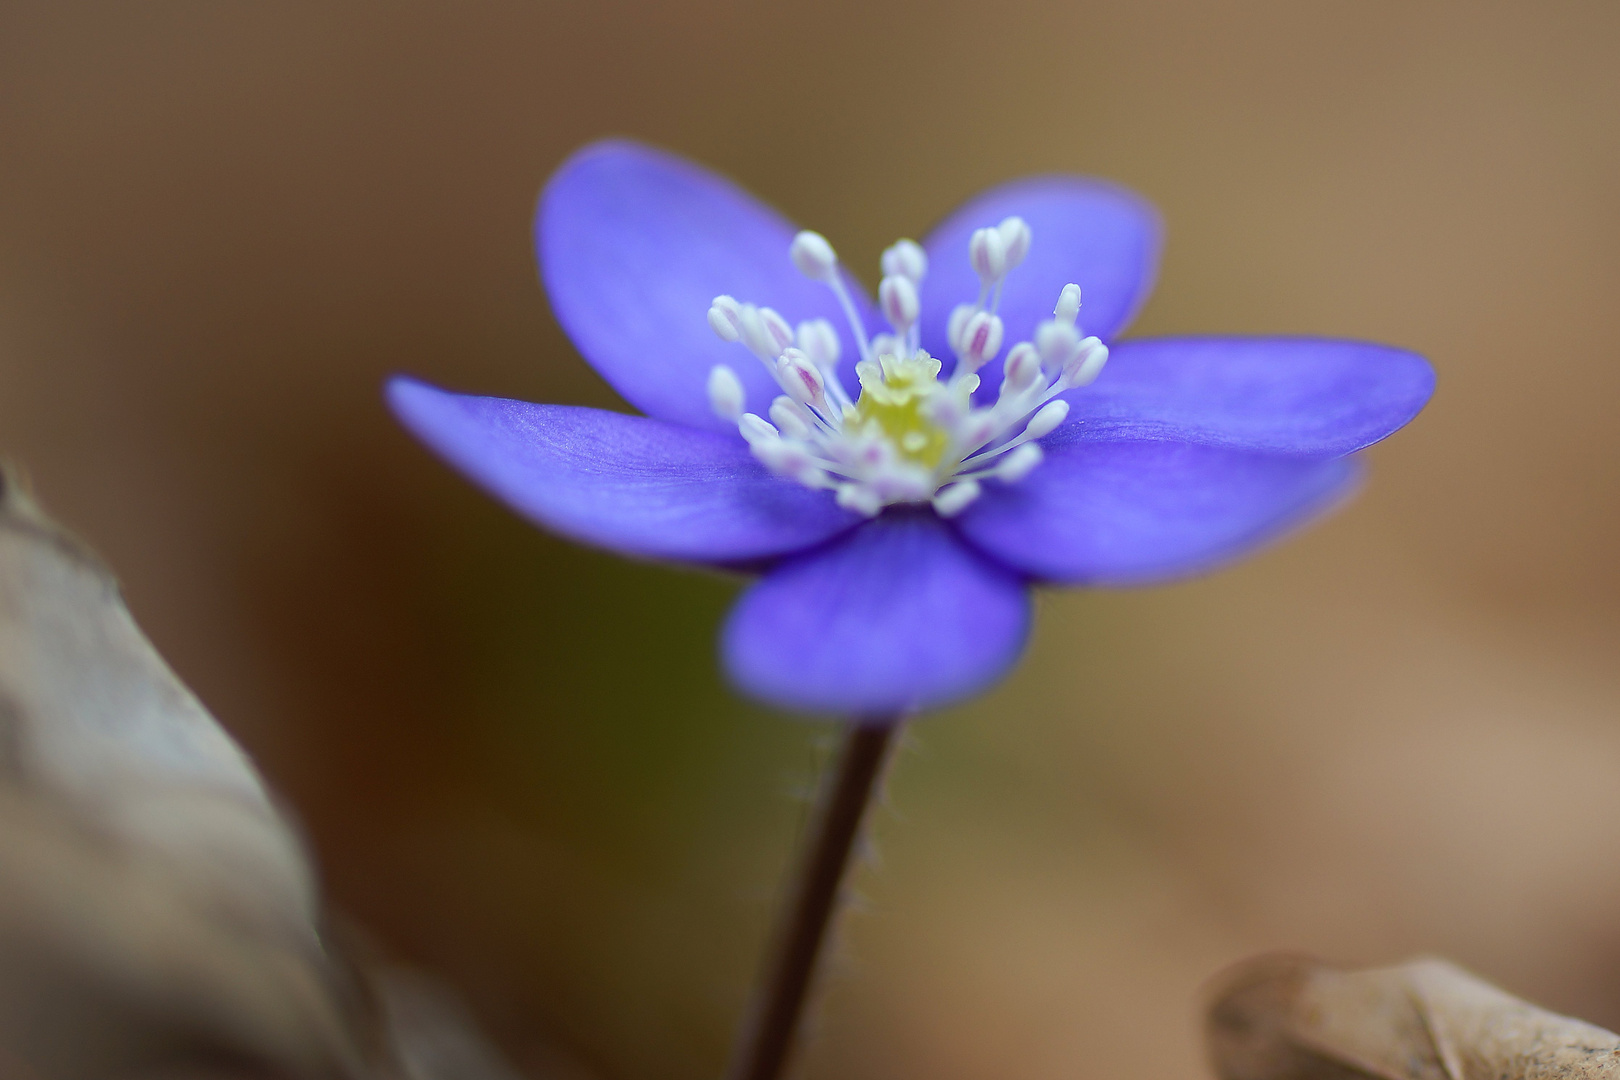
[895, 392]
[912, 436]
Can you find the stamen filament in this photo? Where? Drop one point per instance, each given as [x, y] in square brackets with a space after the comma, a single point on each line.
[979, 457]
[837, 394]
[856, 326]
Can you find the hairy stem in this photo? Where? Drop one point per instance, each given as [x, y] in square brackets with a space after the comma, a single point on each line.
[767, 1039]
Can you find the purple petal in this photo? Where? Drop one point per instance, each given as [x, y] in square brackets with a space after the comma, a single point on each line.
[897, 616]
[1304, 396]
[1102, 237]
[1128, 513]
[633, 245]
[638, 486]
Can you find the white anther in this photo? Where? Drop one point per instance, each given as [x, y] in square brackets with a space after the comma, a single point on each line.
[859, 498]
[790, 459]
[778, 454]
[898, 297]
[1018, 463]
[726, 395]
[981, 340]
[907, 259]
[754, 334]
[801, 379]
[1015, 237]
[979, 428]
[987, 251]
[1021, 369]
[903, 482]
[820, 342]
[809, 474]
[780, 331]
[1087, 363]
[725, 318]
[1050, 416]
[960, 314]
[887, 345]
[789, 418]
[948, 410]
[872, 450]
[952, 500]
[813, 256]
[756, 430]
[1056, 342]
[1068, 305]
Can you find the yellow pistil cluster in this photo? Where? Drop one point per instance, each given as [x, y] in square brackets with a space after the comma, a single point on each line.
[895, 393]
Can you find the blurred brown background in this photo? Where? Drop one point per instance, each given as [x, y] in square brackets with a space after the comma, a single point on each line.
[222, 223]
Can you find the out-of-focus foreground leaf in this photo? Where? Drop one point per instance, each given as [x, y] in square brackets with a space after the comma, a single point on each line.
[158, 915]
[1288, 1018]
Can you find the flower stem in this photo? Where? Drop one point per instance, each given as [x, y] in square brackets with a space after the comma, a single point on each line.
[765, 1042]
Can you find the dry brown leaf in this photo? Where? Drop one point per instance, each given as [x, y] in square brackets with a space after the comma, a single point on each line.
[1290, 1018]
[153, 904]
[159, 917]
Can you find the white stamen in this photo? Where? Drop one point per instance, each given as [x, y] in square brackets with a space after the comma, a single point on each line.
[1015, 238]
[954, 498]
[780, 331]
[1087, 363]
[756, 430]
[791, 459]
[857, 327]
[801, 379]
[913, 437]
[906, 259]
[1017, 465]
[987, 251]
[726, 395]
[810, 475]
[1042, 423]
[1021, 368]
[756, 334]
[979, 428]
[981, 340]
[960, 315]
[1068, 305]
[1056, 342]
[949, 410]
[898, 297]
[814, 256]
[901, 481]
[819, 341]
[789, 418]
[859, 498]
[725, 318]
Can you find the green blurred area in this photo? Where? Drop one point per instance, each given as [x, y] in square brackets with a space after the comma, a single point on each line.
[223, 224]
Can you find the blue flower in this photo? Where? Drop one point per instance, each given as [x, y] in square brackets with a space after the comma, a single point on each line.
[908, 489]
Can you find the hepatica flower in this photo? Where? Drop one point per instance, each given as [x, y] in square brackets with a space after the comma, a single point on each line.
[901, 491]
